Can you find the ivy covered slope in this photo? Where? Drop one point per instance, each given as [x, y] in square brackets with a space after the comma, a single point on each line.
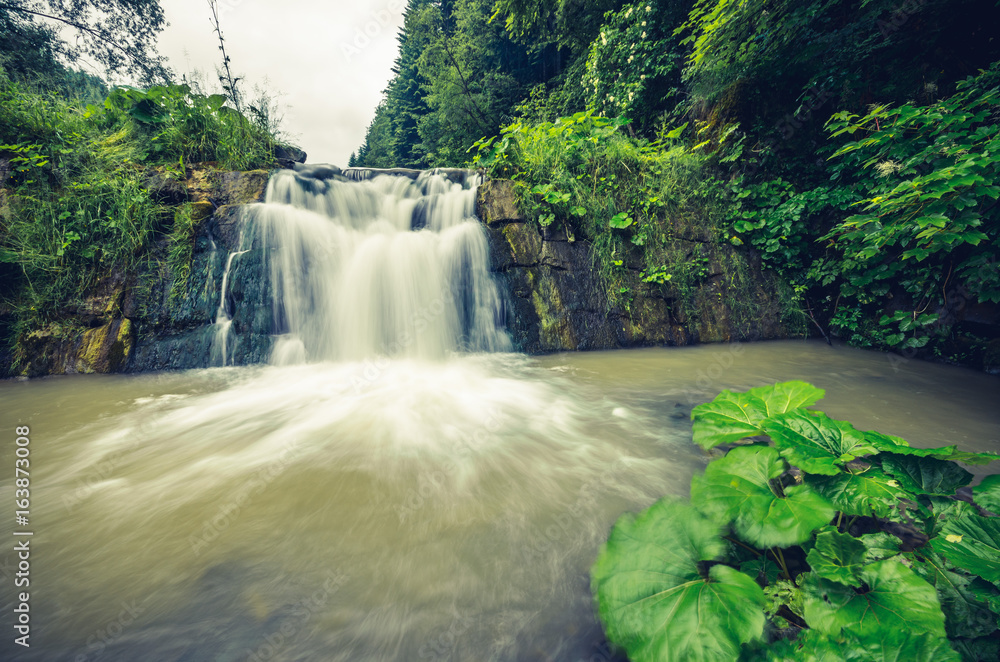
[807, 539]
[98, 189]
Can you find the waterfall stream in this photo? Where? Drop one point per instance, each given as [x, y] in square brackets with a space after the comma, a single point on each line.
[384, 266]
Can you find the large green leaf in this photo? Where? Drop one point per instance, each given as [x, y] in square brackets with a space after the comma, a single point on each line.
[963, 598]
[861, 493]
[815, 443]
[972, 543]
[944, 510]
[987, 494]
[896, 599]
[879, 546]
[925, 475]
[656, 602]
[740, 488]
[734, 416]
[891, 444]
[838, 557]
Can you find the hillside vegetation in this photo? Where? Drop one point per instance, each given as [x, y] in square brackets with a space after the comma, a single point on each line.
[854, 144]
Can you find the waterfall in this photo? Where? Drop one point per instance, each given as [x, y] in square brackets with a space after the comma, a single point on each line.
[223, 318]
[376, 265]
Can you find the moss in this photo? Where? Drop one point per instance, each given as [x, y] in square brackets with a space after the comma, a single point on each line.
[555, 332]
[525, 243]
[89, 354]
[105, 349]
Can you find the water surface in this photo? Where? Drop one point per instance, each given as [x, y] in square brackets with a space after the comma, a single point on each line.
[404, 509]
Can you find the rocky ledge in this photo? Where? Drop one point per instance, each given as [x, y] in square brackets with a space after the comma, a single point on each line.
[558, 301]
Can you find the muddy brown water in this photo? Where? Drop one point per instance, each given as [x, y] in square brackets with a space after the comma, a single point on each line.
[387, 510]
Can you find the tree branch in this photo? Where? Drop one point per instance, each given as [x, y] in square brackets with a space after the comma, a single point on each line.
[79, 26]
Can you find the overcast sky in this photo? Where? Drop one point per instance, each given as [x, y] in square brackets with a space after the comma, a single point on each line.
[327, 60]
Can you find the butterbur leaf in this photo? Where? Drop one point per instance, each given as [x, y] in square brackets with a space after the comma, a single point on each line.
[733, 416]
[809, 646]
[729, 417]
[963, 598]
[987, 494]
[813, 646]
[738, 488]
[862, 493]
[898, 646]
[944, 510]
[973, 544]
[925, 475]
[650, 587]
[879, 546]
[891, 444]
[762, 569]
[838, 557]
[896, 599]
[782, 593]
[815, 443]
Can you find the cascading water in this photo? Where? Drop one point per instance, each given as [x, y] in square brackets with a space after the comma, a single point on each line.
[385, 266]
[223, 317]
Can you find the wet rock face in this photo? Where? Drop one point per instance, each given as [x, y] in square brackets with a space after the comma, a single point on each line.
[556, 300]
[145, 320]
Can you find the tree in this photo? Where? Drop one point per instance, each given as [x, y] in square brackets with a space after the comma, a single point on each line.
[118, 35]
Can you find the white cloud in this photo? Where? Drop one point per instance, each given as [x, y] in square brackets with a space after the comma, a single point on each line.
[327, 61]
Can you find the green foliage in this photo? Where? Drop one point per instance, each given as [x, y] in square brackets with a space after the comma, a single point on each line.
[652, 584]
[631, 198]
[743, 488]
[929, 215]
[988, 494]
[862, 551]
[782, 223]
[634, 65]
[173, 123]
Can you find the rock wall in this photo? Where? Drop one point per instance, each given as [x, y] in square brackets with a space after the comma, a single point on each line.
[145, 320]
[559, 303]
[555, 299]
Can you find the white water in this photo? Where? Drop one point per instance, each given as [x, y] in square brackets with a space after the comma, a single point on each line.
[223, 316]
[382, 267]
